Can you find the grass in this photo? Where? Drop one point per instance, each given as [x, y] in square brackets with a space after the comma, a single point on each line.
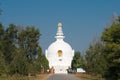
[20, 77]
[88, 76]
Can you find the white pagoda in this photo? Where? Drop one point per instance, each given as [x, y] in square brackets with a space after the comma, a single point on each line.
[59, 53]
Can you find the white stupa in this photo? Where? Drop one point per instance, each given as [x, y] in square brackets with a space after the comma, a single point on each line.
[59, 53]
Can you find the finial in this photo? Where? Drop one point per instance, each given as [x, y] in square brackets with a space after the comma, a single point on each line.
[59, 34]
[59, 24]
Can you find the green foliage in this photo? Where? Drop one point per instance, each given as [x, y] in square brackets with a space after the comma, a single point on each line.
[1, 37]
[112, 34]
[28, 41]
[77, 61]
[104, 57]
[111, 37]
[42, 62]
[20, 52]
[19, 64]
[3, 68]
[1, 31]
[9, 40]
[95, 59]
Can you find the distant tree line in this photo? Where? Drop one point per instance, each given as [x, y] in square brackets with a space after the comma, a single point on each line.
[103, 55]
[78, 61]
[20, 52]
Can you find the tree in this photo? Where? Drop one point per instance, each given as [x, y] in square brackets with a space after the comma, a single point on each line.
[1, 37]
[19, 64]
[111, 38]
[3, 68]
[10, 37]
[42, 62]
[77, 61]
[28, 41]
[20, 52]
[95, 59]
[1, 31]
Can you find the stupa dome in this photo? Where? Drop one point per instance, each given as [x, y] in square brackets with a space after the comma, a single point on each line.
[60, 45]
[59, 53]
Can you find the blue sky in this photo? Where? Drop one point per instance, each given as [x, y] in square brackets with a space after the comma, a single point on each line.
[82, 19]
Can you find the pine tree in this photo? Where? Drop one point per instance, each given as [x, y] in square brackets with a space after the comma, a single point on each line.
[95, 59]
[111, 38]
[77, 61]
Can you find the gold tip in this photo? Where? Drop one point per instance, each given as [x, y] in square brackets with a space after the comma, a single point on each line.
[59, 24]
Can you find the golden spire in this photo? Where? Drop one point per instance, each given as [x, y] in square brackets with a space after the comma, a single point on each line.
[59, 24]
[59, 34]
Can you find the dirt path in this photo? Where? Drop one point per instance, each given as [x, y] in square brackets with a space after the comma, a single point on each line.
[62, 77]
